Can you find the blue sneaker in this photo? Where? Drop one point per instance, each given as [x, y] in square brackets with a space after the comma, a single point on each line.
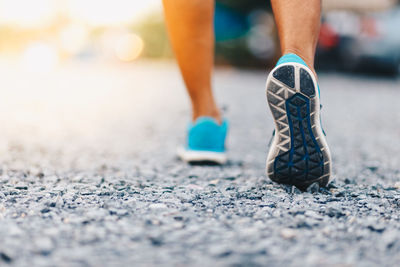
[205, 142]
[299, 154]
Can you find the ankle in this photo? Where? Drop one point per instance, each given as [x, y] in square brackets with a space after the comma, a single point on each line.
[308, 59]
[213, 113]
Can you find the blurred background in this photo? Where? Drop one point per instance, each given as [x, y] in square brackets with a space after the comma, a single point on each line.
[359, 35]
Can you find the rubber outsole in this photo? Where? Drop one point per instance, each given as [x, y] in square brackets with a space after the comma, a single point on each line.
[299, 154]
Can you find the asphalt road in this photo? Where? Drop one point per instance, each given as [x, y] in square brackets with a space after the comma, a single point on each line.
[89, 175]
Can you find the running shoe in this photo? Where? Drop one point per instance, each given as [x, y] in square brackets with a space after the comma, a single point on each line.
[205, 142]
[299, 154]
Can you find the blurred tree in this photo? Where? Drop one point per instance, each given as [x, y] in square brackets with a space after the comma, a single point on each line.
[153, 31]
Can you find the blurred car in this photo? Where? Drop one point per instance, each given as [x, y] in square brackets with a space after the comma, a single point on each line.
[368, 42]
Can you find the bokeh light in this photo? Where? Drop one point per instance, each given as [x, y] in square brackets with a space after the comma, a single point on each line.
[73, 38]
[129, 47]
[40, 57]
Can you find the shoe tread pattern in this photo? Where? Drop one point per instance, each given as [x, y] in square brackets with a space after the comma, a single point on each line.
[300, 159]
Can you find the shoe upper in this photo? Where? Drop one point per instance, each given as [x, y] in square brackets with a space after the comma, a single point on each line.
[206, 134]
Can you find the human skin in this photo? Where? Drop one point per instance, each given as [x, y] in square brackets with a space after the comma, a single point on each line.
[190, 28]
[298, 23]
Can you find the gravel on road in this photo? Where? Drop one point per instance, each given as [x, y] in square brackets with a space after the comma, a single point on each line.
[89, 175]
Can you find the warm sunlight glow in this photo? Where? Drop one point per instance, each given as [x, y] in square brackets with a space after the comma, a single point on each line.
[106, 12]
[28, 13]
[38, 13]
[129, 47]
[40, 57]
[73, 38]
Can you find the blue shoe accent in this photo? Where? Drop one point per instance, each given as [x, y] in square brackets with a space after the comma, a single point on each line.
[291, 58]
[205, 134]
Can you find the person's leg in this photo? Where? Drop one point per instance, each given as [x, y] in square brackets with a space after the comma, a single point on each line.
[190, 27]
[298, 23]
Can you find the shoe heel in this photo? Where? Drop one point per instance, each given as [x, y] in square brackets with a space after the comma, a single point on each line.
[299, 154]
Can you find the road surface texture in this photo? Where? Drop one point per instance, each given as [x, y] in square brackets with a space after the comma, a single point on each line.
[89, 175]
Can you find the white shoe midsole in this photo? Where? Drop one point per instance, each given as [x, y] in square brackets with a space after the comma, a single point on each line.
[198, 156]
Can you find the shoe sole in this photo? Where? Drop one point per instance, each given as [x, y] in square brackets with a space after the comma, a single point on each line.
[202, 157]
[299, 154]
